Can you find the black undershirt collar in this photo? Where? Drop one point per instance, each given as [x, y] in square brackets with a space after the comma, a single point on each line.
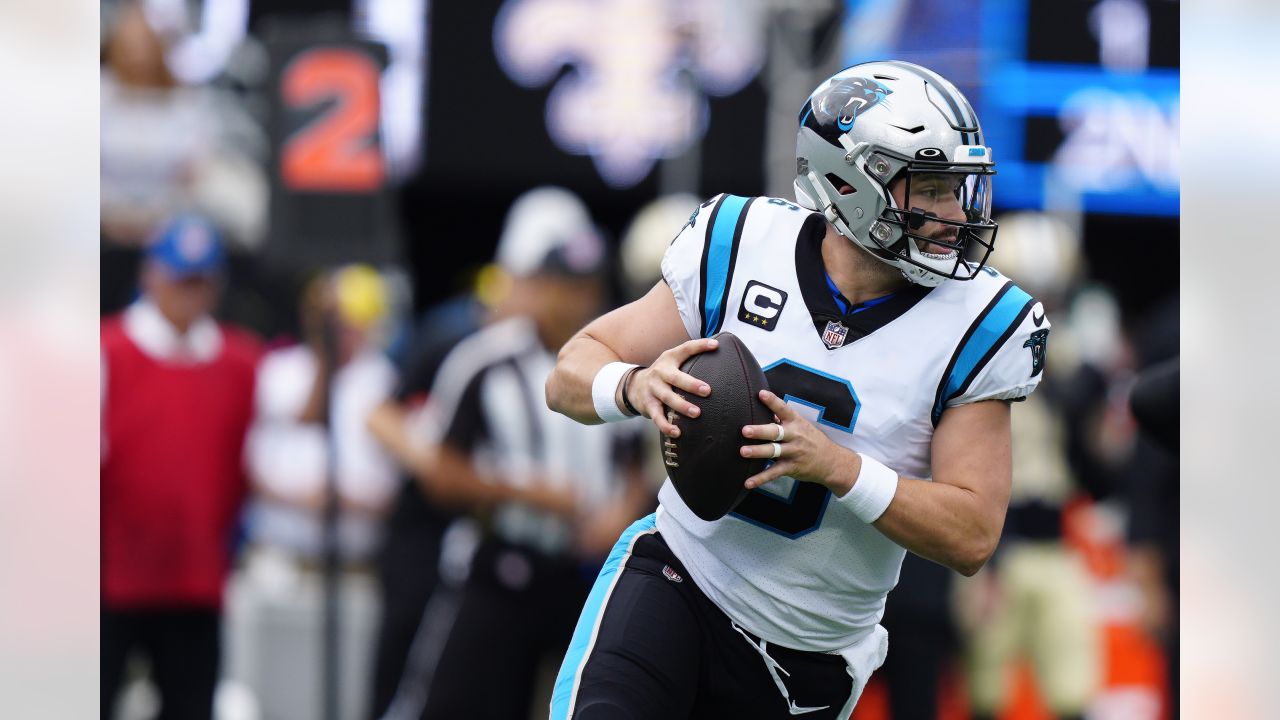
[825, 306]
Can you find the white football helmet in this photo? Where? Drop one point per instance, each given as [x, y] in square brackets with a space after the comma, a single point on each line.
[873, 124]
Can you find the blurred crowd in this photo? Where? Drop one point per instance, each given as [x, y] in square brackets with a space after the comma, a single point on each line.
[304, 482]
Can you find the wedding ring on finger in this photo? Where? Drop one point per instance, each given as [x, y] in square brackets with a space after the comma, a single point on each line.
[777, 450]
[782, 433]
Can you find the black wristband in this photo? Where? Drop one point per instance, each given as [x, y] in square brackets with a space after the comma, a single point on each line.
[626, 401]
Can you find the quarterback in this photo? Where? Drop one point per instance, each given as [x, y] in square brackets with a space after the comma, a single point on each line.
[892, 352]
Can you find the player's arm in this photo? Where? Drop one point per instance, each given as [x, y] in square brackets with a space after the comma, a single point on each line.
[956, 519]
[457, 482]
[647, 332]
[445, 472]
[388, 423]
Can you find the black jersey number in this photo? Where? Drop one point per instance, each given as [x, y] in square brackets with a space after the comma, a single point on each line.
[837, 406]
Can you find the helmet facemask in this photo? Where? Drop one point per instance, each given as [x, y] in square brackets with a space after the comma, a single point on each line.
[945, 230]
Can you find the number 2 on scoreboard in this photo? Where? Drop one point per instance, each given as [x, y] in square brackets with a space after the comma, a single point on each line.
[337, 151]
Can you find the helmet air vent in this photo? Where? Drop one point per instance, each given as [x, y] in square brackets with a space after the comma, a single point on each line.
[841, 185]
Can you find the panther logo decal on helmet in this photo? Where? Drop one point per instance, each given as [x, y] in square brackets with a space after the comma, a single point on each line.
[842, 100]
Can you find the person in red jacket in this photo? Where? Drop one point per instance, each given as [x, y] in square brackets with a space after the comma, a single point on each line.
[177, 399]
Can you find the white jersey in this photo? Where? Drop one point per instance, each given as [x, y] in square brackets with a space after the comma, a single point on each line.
[793, 564]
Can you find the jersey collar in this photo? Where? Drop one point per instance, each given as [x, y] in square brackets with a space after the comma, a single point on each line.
[826, 305]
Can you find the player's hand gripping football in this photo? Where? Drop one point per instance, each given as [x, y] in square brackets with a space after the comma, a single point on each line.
[799, 449]
[652, 389]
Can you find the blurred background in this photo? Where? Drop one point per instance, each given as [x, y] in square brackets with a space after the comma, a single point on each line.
[332, 180]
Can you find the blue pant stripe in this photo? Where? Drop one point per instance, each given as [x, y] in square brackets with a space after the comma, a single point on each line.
[565, 690]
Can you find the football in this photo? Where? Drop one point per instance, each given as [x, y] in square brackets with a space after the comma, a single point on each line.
[703, 462]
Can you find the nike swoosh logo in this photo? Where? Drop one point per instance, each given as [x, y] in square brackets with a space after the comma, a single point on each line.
[912, 130]
[796, 710]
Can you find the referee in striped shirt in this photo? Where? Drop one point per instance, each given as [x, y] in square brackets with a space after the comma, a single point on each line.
[552, 495]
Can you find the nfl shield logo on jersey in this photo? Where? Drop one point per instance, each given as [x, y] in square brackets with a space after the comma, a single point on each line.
[835, 334]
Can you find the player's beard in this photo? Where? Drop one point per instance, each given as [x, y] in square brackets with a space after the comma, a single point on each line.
[934, 251]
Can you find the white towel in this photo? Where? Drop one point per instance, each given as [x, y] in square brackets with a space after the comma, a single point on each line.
[863, 658]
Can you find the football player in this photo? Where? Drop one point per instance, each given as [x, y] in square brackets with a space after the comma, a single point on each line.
[892, 352]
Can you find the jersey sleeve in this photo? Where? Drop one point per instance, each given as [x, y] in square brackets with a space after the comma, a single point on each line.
[682, 266]
[1002, 355]
[1017, 367]
[698, 267]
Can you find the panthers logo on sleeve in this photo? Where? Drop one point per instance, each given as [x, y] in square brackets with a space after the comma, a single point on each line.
[1037, 342]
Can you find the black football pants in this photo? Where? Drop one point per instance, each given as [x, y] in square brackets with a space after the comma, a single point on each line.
[663, 651]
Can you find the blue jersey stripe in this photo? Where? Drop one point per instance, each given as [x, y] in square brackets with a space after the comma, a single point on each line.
[992, 329]
[584, 634]
[719, 261]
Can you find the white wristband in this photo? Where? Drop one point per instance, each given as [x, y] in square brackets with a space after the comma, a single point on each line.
[872, 491]
[604, 389]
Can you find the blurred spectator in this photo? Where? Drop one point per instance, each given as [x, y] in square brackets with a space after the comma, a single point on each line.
[1035, 601]
[1154, 401]
[646, 239]
[177, 401]
[408, 570]
[293, 446]
[168, 148]
[1152, 486]
[311, 404]
[553, 495]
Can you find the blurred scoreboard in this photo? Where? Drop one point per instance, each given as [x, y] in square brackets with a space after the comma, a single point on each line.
[331, 202]
[1080, 103]
[1078, 98]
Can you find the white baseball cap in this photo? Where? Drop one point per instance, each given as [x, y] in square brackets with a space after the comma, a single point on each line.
[548, 230]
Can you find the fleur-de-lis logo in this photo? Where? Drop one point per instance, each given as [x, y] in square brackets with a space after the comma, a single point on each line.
[640, 69]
